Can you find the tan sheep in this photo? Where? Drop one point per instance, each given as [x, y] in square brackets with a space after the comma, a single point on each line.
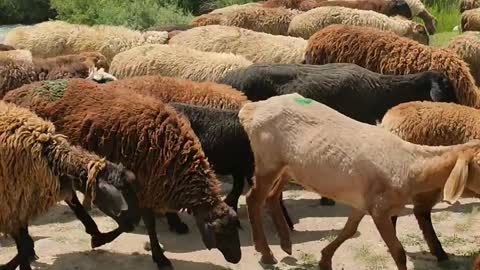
[470, 20]
[54, 38]
[387, 53]
[306, 24]
[255, 46]
[175, 61]
[274, 21]
[467, 46]
[372, 170]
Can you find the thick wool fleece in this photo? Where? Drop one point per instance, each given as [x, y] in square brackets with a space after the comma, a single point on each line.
[273, 21]
[33, 156]
[467, 46]
[175, 61]
[306, 24]
[54, 38]
[168, 89]
[140, 132]
[469, 4]
[470, 20]
[430, 123]
[255, 46]
[387, 53]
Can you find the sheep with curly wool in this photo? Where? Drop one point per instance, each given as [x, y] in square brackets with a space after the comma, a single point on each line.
[169, 89]
[255, 46]
[306, 24]
[39, 168]
[150, 139]
[175, 61]
[467, 46]
[470, 20]
[54, 38]
[469, 4]
[432, 124]
[18, 67]
[387, 53]
[372, 170]
[273, 21]
[348, 88]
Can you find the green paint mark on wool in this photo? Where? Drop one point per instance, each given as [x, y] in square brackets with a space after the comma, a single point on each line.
[52, 90]
[302, 100]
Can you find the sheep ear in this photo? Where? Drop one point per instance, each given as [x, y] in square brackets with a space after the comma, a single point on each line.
[457, 180]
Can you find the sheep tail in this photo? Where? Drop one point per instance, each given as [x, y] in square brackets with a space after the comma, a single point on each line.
[94, 167]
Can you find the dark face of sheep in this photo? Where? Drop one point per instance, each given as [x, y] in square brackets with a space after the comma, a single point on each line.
[115, 195]
[420, 34]
[400, 7]
[221, 232]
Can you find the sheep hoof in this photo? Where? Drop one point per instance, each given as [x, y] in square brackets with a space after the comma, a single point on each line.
[268, 259]
[322, 265]
[97, 241]
[287, 247]
[327, 201]
[165, 267]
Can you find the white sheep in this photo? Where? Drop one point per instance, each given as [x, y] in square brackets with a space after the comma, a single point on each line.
[255, 46]
[357, 164]
[54, 38]
[175, 61]
[306, 24]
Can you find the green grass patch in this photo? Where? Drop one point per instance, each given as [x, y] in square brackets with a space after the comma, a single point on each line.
[442, 39]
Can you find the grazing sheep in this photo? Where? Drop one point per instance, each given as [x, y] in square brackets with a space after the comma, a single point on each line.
[175, 61]
[236, 8]
[18, 67]
[469, 4]
[54, 38]
[419, 10]
[4, 47]
[255, 46]
[306, 24]
[40, 167]
[467, 46]
[372, 170]
[149, 138]
[432, 124]
[168, 89]
[387, 53]
[273, 21]
[470, 20]
[350, 89]
[170, 27]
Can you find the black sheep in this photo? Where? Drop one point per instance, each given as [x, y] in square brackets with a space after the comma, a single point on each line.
[350, 89]
[225, 144]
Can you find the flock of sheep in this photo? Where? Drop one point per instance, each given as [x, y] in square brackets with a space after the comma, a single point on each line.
[343, 96]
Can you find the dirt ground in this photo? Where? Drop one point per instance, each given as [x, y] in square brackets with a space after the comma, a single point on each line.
[61, 242]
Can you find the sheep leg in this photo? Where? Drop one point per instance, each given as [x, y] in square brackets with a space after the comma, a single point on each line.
[347, 232]
[274, 204]
[255, 201]
[394, 222]
[384, 225]
[237, 190]
[175, 224]
[158, 255]
[285, 213]
[424, 220]
[26, 252]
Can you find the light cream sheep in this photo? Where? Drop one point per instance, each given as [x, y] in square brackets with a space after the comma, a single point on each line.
[308, 23]
[370, 169]
[54, 38]
[175, 61]
[470, 20]
[467, 46]
[255, 46]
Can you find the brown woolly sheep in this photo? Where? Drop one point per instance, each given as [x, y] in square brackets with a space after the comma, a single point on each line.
[149, 138]
[470, 20]
[468, 4]
[434, 124]
[273, 21]
[467, 46]
[4, 47]
[18, 67]
[387, 53]
[169, 89]
[40, 167]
